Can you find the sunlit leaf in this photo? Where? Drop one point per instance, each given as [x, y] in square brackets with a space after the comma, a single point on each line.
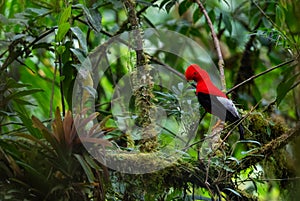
[62, 31]
[66, 14]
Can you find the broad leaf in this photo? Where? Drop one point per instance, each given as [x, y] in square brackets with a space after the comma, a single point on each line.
[80, 36]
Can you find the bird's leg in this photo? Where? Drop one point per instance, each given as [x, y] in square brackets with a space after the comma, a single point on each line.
[215, 134]
[218, 125]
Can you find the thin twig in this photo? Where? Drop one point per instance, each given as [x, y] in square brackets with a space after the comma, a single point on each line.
[9, 60]
[258, 75]
[216, 43]
[52, 91]
[62, 96]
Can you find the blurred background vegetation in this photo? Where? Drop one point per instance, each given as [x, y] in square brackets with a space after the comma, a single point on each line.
[42, 46]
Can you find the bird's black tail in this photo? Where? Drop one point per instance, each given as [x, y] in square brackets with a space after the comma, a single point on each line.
[241, 130]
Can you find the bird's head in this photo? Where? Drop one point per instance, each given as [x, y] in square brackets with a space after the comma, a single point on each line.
[194, 72]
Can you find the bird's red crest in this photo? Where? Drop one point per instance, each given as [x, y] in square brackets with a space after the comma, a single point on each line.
[194, 72]
[204, 84]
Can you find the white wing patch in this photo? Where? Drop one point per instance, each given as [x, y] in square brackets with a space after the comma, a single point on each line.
[228, 104]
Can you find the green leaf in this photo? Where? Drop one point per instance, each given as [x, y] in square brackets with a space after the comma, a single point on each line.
[285, 86]
[31, 170]
[256, 92]
[80, 36]
[195, 31]
[117, 4]
[227, 22]
[196, 15]
[163, 3]
[93, 17]
[283, 3]
[66, 14]
[91, 162]
[88, 171]
[38, 11]
[23, 102]
[169, 6]
[11, 83]
[184, 6]
[19, 94]
[280, 16]
[62, 31]
[26, 120]
[60, 49]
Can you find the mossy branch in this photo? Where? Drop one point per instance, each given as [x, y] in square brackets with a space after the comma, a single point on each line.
[143, 83]
[268, 149]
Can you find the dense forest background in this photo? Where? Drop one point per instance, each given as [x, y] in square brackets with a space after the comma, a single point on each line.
[94, 104]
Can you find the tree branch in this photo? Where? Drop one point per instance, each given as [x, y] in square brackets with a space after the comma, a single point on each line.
[268, 149]
[216, 43]
[258, 75]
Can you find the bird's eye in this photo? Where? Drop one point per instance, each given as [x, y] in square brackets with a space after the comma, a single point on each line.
[195, 73]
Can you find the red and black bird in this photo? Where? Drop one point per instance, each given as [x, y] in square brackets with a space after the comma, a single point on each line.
[211, 98]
